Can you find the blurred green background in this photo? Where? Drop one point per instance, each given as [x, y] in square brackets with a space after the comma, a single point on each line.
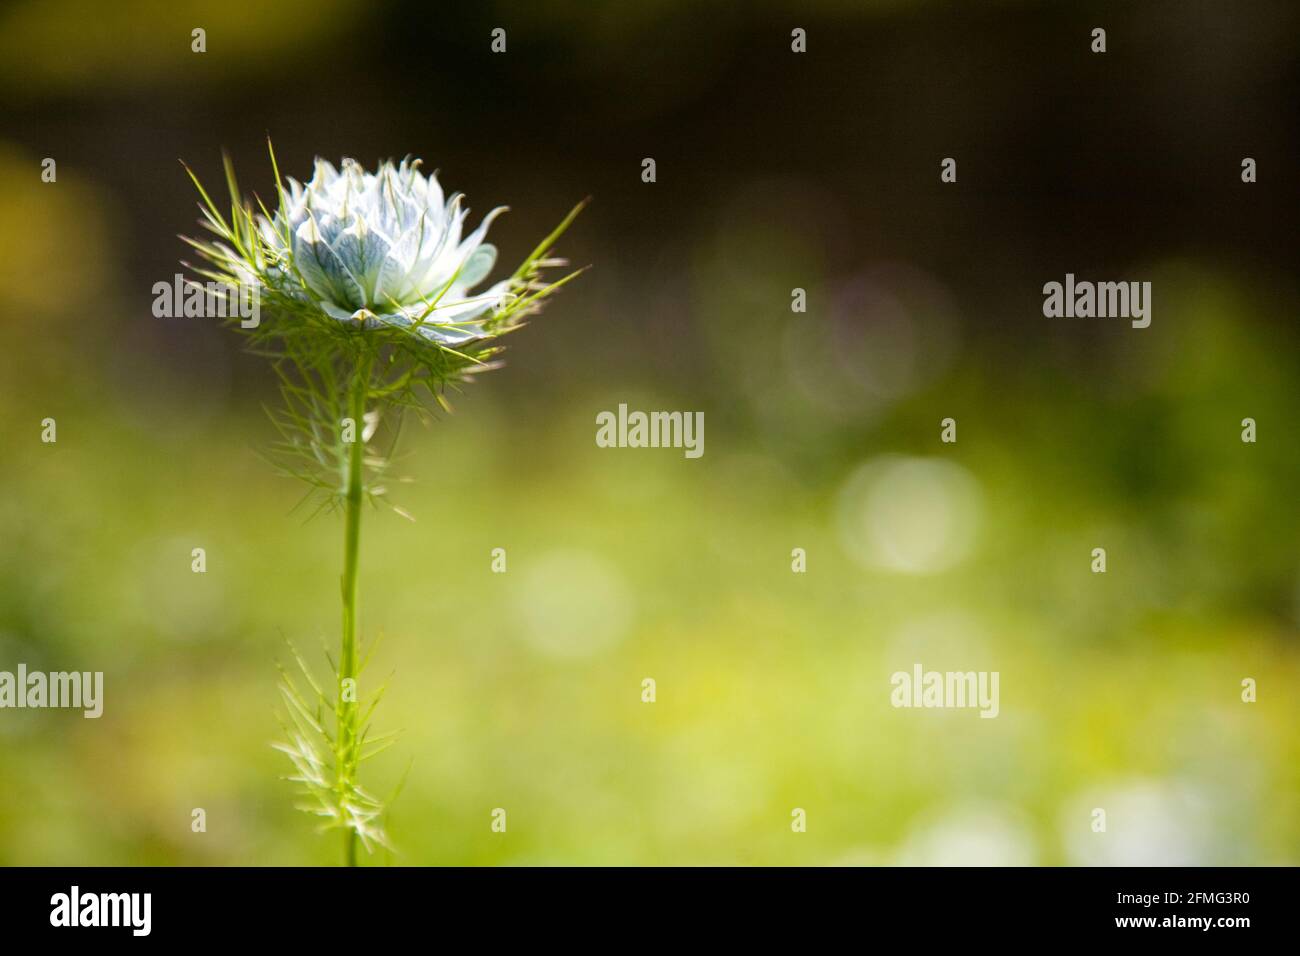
[523, 690]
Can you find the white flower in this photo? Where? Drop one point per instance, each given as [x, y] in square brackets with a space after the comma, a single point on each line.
[384, 248]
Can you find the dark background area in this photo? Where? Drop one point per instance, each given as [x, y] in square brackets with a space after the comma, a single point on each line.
[1068, 160]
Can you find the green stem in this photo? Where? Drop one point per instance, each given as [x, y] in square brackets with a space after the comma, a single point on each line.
[346, 740]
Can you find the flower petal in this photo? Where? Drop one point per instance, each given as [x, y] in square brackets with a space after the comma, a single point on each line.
[322, 269]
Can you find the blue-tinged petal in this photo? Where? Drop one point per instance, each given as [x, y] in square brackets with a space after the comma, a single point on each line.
[433, 197]
[477, 266]
[434, 329]
[456, 306]
[322, 269]
[363, 252]
[451, 336]
[433, 267]
[334, 312]
[458, 258]
[389, 280]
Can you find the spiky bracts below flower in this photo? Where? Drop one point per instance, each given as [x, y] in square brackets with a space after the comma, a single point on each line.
[327, 763]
